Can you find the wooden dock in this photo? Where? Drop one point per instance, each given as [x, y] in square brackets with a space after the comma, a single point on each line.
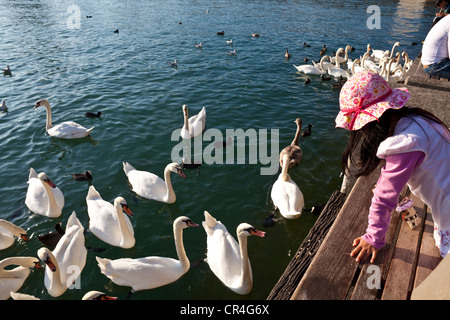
[322, 268]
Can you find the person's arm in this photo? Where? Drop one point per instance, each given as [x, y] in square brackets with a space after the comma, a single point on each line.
[394, 175]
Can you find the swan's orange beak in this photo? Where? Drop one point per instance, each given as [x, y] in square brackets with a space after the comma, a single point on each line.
[258, 233]
[127, 210]
[50, 183]
[24, 237]
[38, 104]
[37, 265]
[106, 297]
[50, 264]
[181, 173]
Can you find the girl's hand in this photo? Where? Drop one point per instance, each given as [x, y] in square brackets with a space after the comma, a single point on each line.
[363, 250]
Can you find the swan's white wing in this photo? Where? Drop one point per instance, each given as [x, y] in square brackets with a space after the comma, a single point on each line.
[6, 238]
[59, 197]
[12, 284]
[147, 184]
[141, 273]
[68, 130]
[223, 255]
[36, 198]
[288, 198]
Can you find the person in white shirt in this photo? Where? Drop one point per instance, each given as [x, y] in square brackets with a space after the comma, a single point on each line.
[436, 48]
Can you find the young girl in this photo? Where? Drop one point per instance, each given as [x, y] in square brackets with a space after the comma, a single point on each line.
[415, 146]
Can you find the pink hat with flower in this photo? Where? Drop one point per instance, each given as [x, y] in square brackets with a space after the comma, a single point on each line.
[364, 98]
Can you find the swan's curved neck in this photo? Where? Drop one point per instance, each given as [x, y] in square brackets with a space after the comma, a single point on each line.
[245, 265]
[297, 134]
[284, 170]
[15, 230]
[181, 253]
[186, 119]
[122, 223]
[170, 195]
[19, 261]
[56, 278]
[48, 124]
[51, 197]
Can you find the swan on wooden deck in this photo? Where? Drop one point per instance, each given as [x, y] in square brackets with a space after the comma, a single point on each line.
[64, 130]
[294, 151]
[286, 195]
[108, 222]
[228, 259]
[148, 185]
[67, 260]
[43, 196]
[8, 232]
[12, 280]
[193, 126]
[153, 271]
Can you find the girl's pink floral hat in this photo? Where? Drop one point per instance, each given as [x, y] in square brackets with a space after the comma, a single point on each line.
[364, 98]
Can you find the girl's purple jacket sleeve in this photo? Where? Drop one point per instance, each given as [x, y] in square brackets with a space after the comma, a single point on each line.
[394, 175]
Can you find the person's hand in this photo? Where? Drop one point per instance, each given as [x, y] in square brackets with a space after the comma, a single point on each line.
[363, 250]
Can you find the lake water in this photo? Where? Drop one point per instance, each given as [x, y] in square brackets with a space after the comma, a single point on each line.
[80, 65]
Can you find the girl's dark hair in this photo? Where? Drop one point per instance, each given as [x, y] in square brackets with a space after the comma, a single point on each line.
[369, 137]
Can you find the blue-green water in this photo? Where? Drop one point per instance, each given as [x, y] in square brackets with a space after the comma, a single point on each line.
[126, 76]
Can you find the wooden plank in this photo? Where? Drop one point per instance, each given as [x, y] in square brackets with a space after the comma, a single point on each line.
[402, 268]
[332, 270]
[429, 256]
[380, 267]
[300, 262]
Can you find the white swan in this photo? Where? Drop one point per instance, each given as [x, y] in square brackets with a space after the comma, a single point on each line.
[286, 195]
[64, 130]
[22, 296]
[13, 279]
[227, 258]
[148, 185]
[338, 72]
[313, 69]
[66, 262]
[293, 150]
[8, 231]
[150, 272]
[377, 55]
[97, 295]
[43, 197]
[338, 56]
[108, 222]
[194, 125]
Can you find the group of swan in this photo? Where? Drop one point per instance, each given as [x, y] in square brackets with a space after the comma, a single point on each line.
[227, 259]
[384, 62]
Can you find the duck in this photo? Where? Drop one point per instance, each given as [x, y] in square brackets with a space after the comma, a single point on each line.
[286, 195]
[305, 45]
[7, 71]
[199, 45]
[43, 196]
[173, 63]
[255, 34]
[12, 280]
[227, 258]
[324, 50]
[307, 131]
[307, 81]
[287, 55]
[153, 271]
[67, 259]
[3, 106]
[340, 83]
[8, 232]
[82, 176]
[51, 239]
[98, 295]
[108, 222]
[97, 114]
[230, 42]
[294, 151]
[221, 33]
[149, 186]
[324, 77]
[116, 31]
[232, 52]
[192, 126]
[312, 69]
[64, 130]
